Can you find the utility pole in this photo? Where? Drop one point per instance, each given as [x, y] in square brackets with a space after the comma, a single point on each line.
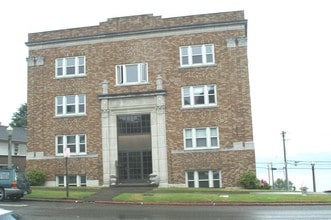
[313, 173]
[285, 161]
[272, 176]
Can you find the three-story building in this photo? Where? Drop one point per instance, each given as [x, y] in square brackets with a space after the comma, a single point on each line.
[141, 95]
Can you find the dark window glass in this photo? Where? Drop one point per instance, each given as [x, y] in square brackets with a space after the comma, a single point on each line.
[133, 124]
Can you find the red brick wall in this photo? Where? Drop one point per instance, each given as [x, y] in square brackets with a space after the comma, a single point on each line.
[232, 116]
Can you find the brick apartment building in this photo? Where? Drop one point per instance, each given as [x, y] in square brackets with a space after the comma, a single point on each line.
[142, 95]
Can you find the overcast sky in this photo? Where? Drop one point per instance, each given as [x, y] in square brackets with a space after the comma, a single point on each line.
[288, 52]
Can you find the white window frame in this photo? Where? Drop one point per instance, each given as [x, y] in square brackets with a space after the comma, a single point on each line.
[64, 102]
[188, 94]
[188, 53]
[76, 149]
[78, 183]
[196, 181]
[122, 74]
[191, 135]
[63, 64]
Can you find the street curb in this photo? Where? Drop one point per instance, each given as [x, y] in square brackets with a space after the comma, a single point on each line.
[177, 203]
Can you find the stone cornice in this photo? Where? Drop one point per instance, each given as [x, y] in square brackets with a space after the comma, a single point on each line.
[132, 95]
[154, 32]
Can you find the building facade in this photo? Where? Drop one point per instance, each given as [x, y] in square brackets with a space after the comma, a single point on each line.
[17, 148]
[139, 97]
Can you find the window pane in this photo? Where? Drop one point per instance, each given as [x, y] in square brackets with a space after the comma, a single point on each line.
[71, 140]
[59, 71]
[119, 72]
[131, 73]
[70, 100]
[70, 65]
[196, 54]
[70, 61]
[211, 94]
[70, 104]
[70, 109]
[201, 142]
[184, 51]
[60, 180]
[83, 180]
[59, 100]
[70, 70]
[199, 100]
[216, 184]
[201, 132]
[187, 101]
[60, 149]
[144, 72]
[213, 142]
[81, 70]
[191, 184]
[196, 50]
[59, 105]
[210, 58]
[188, 133]
[185, 60]
[203, 184]
[72, 180]
[59, 67]
[60, 145]
[71, 143]
[197, 59]
[81, 106]
[189, 143]
[59, 110]
[209, 49]
[213, 132]
[186, 91]
[203, 175]
[199, 95]
[216, 175]
[82, 143]
[211, 99]
[60, 140]
[190, 175]
[81, 61]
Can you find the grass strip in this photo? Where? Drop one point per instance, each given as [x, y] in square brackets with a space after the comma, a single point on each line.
[221, 198]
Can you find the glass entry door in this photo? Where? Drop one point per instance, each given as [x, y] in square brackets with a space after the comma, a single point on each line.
[134, 166]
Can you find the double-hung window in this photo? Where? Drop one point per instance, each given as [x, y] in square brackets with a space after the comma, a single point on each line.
[75, 143]
[70, 105]
[74, 180]
[204, 178]
[199, 96]
[197, 55]
[131, 74]
[70, 67]
[201, 138]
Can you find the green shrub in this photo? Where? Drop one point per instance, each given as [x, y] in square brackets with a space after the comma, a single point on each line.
[249, 181]
[36, 177]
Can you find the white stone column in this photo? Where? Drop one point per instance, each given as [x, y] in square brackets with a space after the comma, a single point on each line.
[161, 141]
[105, 142]
[113, 145]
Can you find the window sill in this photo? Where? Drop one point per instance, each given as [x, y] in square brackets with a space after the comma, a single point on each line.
[70, 116]
[70, 76]
[133, 84]
[199, 107]
[198, 65]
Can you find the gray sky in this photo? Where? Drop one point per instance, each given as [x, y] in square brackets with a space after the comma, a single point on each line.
[288, 53]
